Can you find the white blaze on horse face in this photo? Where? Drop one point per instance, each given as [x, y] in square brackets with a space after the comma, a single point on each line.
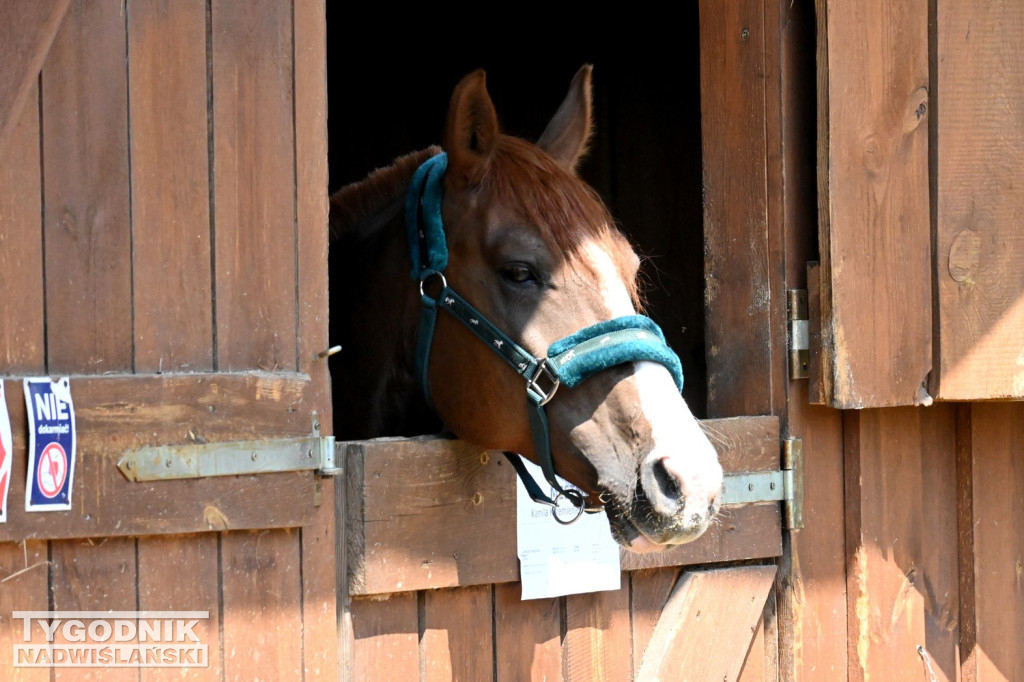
[677, 440]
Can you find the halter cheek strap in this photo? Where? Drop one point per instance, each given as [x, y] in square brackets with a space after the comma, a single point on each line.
[569, 361]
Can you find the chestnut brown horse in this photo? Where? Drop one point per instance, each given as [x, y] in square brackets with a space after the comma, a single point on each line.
[520, 280]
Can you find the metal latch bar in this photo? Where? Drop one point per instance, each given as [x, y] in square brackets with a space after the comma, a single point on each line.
[233, 458]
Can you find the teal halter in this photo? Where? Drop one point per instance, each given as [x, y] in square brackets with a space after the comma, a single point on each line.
[569, 361]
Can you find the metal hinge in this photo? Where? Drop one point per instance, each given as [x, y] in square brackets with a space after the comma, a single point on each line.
[785, 485]
[799, 333]
[232, 458]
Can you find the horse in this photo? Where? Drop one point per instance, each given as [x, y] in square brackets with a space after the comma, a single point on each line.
[463, 273]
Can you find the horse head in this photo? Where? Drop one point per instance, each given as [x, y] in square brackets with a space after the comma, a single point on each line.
[534, 249]
[568, 373]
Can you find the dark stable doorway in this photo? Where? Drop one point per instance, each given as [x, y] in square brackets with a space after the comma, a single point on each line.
[388, 95]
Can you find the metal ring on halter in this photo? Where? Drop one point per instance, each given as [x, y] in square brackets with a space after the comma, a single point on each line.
[577, 499]
[543, 396]
[432, 273]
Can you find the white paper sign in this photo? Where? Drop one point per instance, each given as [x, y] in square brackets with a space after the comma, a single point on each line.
[555, 560]
[6, 453]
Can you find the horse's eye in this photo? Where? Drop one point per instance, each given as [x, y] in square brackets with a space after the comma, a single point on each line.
[517, 273]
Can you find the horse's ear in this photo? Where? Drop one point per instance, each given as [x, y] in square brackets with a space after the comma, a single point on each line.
[472, 127]
[568, 133]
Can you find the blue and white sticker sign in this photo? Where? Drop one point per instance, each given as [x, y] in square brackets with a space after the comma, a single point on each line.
[51, 447]
[6, 453]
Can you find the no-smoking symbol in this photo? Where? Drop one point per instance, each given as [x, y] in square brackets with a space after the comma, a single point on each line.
[52, 470]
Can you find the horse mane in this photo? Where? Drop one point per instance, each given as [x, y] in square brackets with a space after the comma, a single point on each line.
[364, 201]
[566, 210]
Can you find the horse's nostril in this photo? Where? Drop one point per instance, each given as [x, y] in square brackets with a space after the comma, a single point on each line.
[666, 482]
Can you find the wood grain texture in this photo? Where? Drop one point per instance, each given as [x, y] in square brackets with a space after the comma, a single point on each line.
[456, 642]
[901, 525]
[262, 604]
[24, 586]
[874, 213]
[22, 336]
[649, 592]
[94, 575]
[385, 638]
[181, 573]
[598, 635]
[528, 639]
[86, 212]
[738, 288]
[170, 186]
[254, 185]
[708, 624]
[994, 618]
[979, 160]
[169, 409]
[26, 33]
[812, 572]
[425, 513]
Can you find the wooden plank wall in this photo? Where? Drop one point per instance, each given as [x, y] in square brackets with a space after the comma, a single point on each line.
[979, 203]
[186, 156]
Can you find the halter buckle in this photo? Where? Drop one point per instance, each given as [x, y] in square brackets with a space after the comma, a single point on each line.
[541, 395]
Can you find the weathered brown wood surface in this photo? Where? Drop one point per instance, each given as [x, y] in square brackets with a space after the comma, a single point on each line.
[991, 502]
[979, 161]
[426, 513]
[26, 32]
[739, 268]
[168, 89]
[706, 628]
[875, 227]
[125, 412]
[901, 522]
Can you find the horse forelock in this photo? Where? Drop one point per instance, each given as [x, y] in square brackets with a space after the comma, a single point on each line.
[567, 211]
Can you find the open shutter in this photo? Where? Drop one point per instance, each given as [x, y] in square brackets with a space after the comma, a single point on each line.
[920, 206]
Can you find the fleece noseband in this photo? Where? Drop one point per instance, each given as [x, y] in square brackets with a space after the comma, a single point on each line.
[569, 361]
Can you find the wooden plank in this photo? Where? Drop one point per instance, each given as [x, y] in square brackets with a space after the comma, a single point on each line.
[457, 641]
[172, 290]
[650, 590]
[24, 580]
[979, 160]
[738, 292]
[22, 337]
[901, 524]
[874, 213]
[311, 202]
[26, 33]
[993, 649]
[180, 573]
[172, 293]
[527, 636]
[169, 409]
[24, 566]
[705, 629]
[94, 575]
[86, 212]
[426, 513]
[385, 636]
[754, 669]
[812, 572]
[320, 560]
[597, 635]
[262, 604]
[254, 181]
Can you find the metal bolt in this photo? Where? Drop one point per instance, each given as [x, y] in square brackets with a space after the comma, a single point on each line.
[254, 456]
[750, 487]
